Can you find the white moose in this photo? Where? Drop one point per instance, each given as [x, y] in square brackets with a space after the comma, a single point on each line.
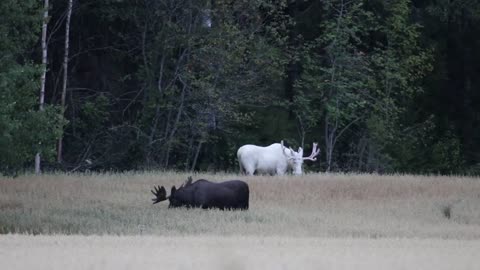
[272, 159]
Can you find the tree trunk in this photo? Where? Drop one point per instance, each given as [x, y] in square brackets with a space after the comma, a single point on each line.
[197, 152]
[362, 146]
[293, 67]
[329, 141]
[189, 152]
[44, 73]
[175, 126]
[332, 136]
[65, 74]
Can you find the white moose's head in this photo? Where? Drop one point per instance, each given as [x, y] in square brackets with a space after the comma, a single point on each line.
[295, 159]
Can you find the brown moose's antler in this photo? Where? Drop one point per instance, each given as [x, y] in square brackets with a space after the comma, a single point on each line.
[160, 194]
[314, 153]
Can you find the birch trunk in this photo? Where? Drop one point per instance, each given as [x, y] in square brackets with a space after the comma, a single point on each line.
[44, 73]
[65, 74]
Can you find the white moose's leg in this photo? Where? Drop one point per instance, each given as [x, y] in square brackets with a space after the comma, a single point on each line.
[249, 170]
[280, 171]
[242, 170]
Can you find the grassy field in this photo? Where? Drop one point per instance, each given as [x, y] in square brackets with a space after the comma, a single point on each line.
[339, 221]
[319, 205]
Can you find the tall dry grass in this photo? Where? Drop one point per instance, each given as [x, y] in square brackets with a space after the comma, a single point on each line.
[326, 205]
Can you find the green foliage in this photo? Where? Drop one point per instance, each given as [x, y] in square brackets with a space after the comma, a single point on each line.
[333, 87]
[19, 28]
[94, 114]
[197, 80]
[386, 86]
[399, 63]
[446, 156]
[363, 73]
[24, 131]
[17, 142]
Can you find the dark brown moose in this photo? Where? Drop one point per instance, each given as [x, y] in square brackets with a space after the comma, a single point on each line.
[232, 195]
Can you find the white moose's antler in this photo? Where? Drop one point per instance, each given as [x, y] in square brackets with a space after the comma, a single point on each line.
[285, 148]
[314, 153]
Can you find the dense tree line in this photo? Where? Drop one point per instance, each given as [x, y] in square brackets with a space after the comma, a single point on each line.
[384, 86]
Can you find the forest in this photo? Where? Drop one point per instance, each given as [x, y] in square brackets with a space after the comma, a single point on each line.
[385, 86]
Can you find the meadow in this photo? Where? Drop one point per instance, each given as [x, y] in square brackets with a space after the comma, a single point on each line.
[344, 221]
[311, 205]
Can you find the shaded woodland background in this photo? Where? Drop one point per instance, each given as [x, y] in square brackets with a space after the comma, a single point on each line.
[383, 86]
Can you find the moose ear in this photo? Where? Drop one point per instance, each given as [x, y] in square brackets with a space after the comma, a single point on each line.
[300, 150]
[189, 181]
[173, 190]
